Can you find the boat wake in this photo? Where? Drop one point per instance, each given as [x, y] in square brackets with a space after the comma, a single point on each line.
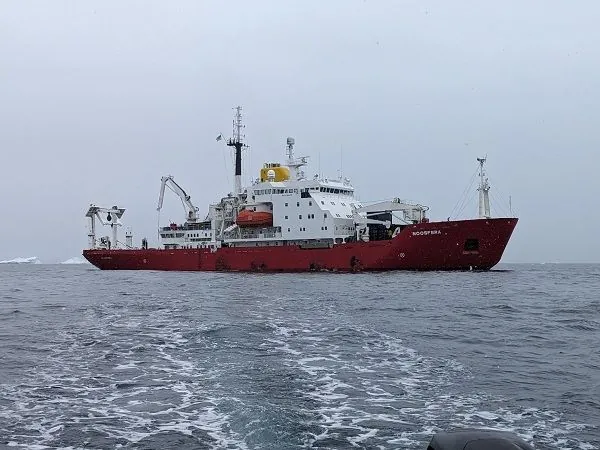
[369, 389]
[150, 371]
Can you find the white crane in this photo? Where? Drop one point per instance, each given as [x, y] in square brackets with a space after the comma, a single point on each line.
[191, 210]
[412, 213]
[106, 216]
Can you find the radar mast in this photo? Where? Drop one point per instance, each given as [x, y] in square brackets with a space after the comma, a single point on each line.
[484, 187]
[236, 142]
[294, 163]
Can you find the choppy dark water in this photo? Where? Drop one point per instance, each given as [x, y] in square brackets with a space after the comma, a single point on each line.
[201, 360]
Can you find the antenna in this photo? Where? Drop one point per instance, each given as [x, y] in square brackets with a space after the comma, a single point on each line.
[341, 161]
[484, 187]
[320, 164]
[294, 163]
[236, 142]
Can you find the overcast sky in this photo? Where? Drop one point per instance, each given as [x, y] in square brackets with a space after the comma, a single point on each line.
[99, 99]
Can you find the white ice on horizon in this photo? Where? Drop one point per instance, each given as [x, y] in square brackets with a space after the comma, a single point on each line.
[75, 260]
[25, 260]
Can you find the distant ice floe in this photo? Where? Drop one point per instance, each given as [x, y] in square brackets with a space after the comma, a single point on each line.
[75, 260]
[29, 260]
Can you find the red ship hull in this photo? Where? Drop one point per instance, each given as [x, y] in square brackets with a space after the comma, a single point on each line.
[476, 244]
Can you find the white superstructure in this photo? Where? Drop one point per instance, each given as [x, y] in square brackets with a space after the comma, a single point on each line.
[284, 207]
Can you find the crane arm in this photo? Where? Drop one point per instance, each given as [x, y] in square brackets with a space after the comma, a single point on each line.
[161, 196]
[106, 216]
[192, 210]
[393, 205]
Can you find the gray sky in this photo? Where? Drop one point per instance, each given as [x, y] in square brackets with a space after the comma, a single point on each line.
[99, 99]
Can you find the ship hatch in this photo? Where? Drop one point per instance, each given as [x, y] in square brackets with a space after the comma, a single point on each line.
[472, 245]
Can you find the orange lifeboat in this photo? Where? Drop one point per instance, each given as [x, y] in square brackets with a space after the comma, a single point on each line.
[247, 218]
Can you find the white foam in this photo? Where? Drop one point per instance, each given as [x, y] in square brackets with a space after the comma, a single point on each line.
[129, 365]
[181, 408]
[284, 331]
[385, 375]
[487, 415]
[364, 436]
[370, 391]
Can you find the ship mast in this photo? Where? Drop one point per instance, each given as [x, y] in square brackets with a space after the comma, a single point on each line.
[294, 163]
[236, 142]
[484, 187]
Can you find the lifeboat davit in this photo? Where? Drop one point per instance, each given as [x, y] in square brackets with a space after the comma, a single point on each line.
[247, 218]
